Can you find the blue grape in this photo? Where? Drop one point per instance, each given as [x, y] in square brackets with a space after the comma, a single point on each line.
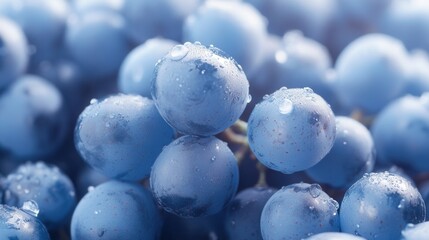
[334, 236]
[17, 224]
[121, 136]
[416, 232]
[194, 176]
[43, 22]
[400, 133]
[136, 72]
[302, 62]
[102, 33]
[243, 216]
[34, 120]
[291, 130]
[14, 57]
[352, 155]
[309, 16]
[371, 72]
[380, 205]
[405, 20]
[116, 210]
[47, 186]
[298, 211]
[144, 19]
[233, 26]
[199, 90]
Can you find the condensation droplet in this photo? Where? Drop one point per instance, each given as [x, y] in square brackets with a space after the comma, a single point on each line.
[249, 98]
[286, 106]
[315, 190]
[178, 52]
[93, 101]
[31, 208]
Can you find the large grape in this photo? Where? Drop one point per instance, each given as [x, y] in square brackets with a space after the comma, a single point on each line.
[352, 155]
[194, 176]
[401, 133]
[380, 205]
[116, 211]
[233, 26]
[47, 186]
[121, 136]
[34, 118]
[14, 56]
[136, 72]
[291, 130]
[199, 90]
[298, 211]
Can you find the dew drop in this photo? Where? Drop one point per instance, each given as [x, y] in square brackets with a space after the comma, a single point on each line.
[409, 226]
[90, 188]
[308, 90]
[249, 98]
[401, 204]
[178, 52]
[31, 208]
[286, 106]
[311, 207]
[93, 101]
[213, 158]
[315, 190]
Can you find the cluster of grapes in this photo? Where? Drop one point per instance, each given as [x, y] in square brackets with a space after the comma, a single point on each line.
[211, 119]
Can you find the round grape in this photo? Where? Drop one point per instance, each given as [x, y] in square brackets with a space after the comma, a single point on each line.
[401, 132]
[199, 90]
[102, 33]
[52, 190]
[371, 72]
[243, 215]
[233, 26]
[136, 72]
[34, 120]
[299, 211]
[352, 155]
[121, 136]
[291, 130]
[116, 210]
[194, 176]
[14, 55]
[380, 205]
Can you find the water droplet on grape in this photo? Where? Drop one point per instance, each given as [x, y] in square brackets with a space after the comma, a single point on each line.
[31, 208]
[93, 101]
[90, 188]
[315, 190]
[179, 52]
[286, 106]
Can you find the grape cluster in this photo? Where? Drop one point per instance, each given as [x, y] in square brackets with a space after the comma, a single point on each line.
[214, 119]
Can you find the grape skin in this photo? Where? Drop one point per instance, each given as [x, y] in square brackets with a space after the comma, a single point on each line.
[380, 205]
[298, 211]
[199, 90]
[116, 210]
[206, 164]
[121, 136]
[276, 122]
